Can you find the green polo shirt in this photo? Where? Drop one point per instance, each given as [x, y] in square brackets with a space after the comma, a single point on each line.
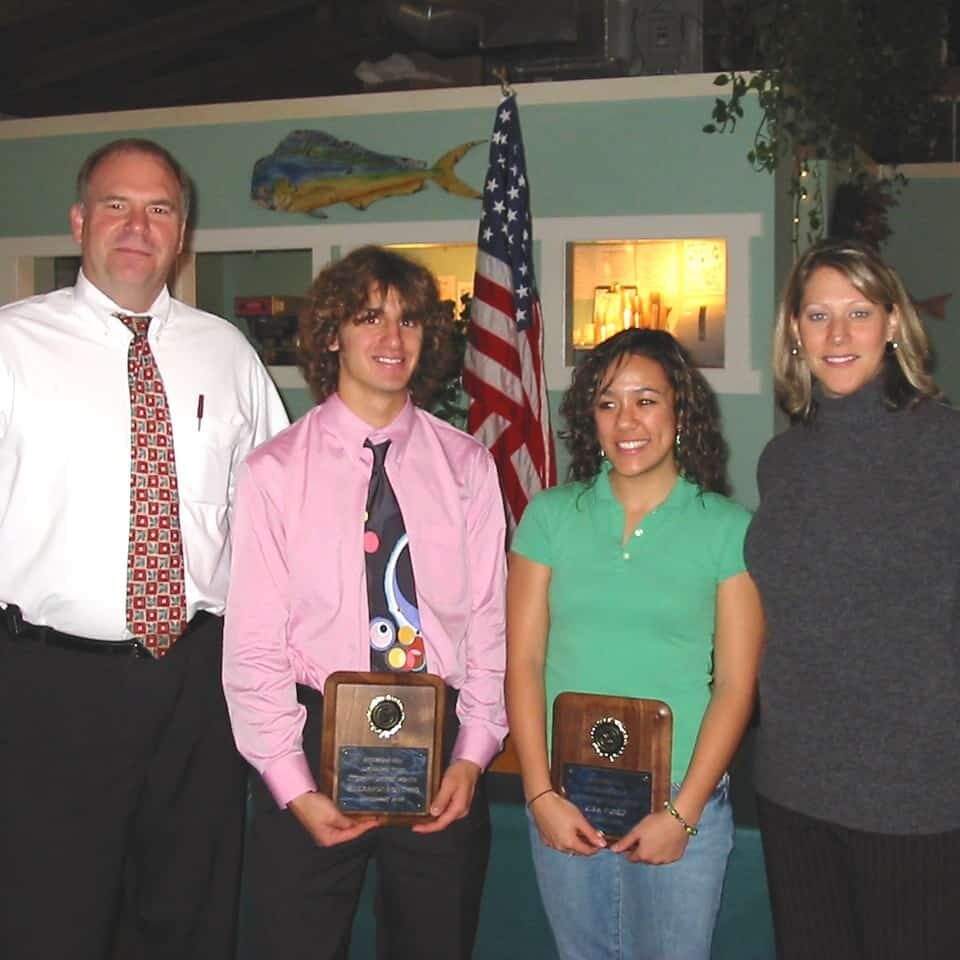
[634, 620]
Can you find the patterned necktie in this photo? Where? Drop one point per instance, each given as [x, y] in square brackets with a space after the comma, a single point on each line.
[396, 642]
[156, 597]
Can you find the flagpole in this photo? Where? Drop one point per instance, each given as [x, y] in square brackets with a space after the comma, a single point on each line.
[503, 367]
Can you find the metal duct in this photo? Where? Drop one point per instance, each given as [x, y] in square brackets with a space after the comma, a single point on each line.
[436, 28]
[622, 37]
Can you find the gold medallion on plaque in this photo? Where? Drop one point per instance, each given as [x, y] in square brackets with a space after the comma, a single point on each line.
[611, 757]
[382, 743]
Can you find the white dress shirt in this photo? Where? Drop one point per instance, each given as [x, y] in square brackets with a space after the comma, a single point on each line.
[65, 451]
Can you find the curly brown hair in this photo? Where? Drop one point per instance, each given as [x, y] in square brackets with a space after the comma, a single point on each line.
[339, 293]
[701, 452]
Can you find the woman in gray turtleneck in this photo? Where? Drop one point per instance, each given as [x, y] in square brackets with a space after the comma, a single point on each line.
[856, 550]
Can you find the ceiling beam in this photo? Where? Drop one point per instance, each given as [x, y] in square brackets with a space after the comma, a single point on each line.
[156, 38]
[26, 10]
[294, 58]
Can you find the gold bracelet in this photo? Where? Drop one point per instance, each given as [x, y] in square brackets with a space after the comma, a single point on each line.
[542, 793]
[691, 829]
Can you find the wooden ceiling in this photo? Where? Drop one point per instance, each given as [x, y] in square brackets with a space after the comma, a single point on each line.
[60, 57]
[66, 57]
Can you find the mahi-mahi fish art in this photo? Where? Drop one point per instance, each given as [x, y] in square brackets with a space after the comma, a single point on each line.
[310, 170]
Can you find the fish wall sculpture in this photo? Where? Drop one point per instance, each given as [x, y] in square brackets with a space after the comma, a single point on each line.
[311, 169]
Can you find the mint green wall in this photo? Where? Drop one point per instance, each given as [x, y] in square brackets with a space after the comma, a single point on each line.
[639, 157]
[925, 250]
[209, 276]
[591, 159]
[297, 402]
[221, 277]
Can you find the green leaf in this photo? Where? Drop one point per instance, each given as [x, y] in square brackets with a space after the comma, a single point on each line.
[831, 77]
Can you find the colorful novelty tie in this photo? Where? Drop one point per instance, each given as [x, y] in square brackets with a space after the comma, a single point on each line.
[396, 642]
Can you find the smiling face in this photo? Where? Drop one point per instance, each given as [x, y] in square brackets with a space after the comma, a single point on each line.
[636, 422]
[130, 227]
[842, 334]
[379, 350]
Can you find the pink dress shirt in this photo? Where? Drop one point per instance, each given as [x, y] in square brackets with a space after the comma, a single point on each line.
[297, 606]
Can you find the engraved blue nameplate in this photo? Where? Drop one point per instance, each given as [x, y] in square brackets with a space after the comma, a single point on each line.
[382, 780]
[614, 801]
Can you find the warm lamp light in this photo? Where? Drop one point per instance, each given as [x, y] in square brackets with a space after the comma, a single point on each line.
[615, 308]
[673, 284]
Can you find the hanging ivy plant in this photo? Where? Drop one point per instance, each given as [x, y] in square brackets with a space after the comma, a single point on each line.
[835, 80]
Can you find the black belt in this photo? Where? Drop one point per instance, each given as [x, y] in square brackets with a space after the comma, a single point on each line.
[19, 629]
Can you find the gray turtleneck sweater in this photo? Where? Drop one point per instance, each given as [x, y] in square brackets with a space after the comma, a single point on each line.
[856, 550]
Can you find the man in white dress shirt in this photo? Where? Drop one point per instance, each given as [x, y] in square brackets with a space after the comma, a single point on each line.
[120, 788]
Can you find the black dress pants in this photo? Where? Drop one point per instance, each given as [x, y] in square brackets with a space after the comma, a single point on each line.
[304, 896]
[842, 894]
[120, 789]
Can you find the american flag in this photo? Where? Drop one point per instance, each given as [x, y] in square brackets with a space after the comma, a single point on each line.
[503, 368]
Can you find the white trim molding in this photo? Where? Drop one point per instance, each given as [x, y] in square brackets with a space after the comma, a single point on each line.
[737, 376]
[361, 104]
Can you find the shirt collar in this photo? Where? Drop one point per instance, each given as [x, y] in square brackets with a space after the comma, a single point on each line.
[352, 431]
[105, 309]
[680, 495]
[853, 411]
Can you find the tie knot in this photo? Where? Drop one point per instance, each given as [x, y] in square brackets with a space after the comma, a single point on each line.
[379, 452]
[137, 325]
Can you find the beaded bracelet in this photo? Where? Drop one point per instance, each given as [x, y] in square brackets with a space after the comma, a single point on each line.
[691, 829]
[542, 793]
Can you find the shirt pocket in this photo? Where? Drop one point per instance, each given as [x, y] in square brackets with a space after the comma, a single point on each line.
[206, 452]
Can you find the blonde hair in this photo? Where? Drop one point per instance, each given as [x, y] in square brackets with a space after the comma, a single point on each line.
[906, 374]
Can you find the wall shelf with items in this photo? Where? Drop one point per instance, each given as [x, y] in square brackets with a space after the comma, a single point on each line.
[691, 274]
[260, 289]
[271, 323]
[452, 264]
[677, 284]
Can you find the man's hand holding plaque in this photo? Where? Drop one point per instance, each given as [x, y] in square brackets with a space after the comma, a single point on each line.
[319, 816]
[382, 744]
[454, 797]
[611, 758]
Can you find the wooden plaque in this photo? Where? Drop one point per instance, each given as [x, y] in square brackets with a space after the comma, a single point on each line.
[611, 757]
[382, 743]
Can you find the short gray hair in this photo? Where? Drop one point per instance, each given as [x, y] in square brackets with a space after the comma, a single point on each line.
[136, 145]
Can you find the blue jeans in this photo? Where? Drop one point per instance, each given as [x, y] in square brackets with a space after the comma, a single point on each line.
[604, 907]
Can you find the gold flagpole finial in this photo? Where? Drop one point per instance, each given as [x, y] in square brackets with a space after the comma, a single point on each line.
[501, 74]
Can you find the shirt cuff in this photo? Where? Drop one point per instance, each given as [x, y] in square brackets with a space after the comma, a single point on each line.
[288, 778]
[476, 744]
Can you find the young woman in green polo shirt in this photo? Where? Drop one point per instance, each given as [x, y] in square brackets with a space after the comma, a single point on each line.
[630, 581]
